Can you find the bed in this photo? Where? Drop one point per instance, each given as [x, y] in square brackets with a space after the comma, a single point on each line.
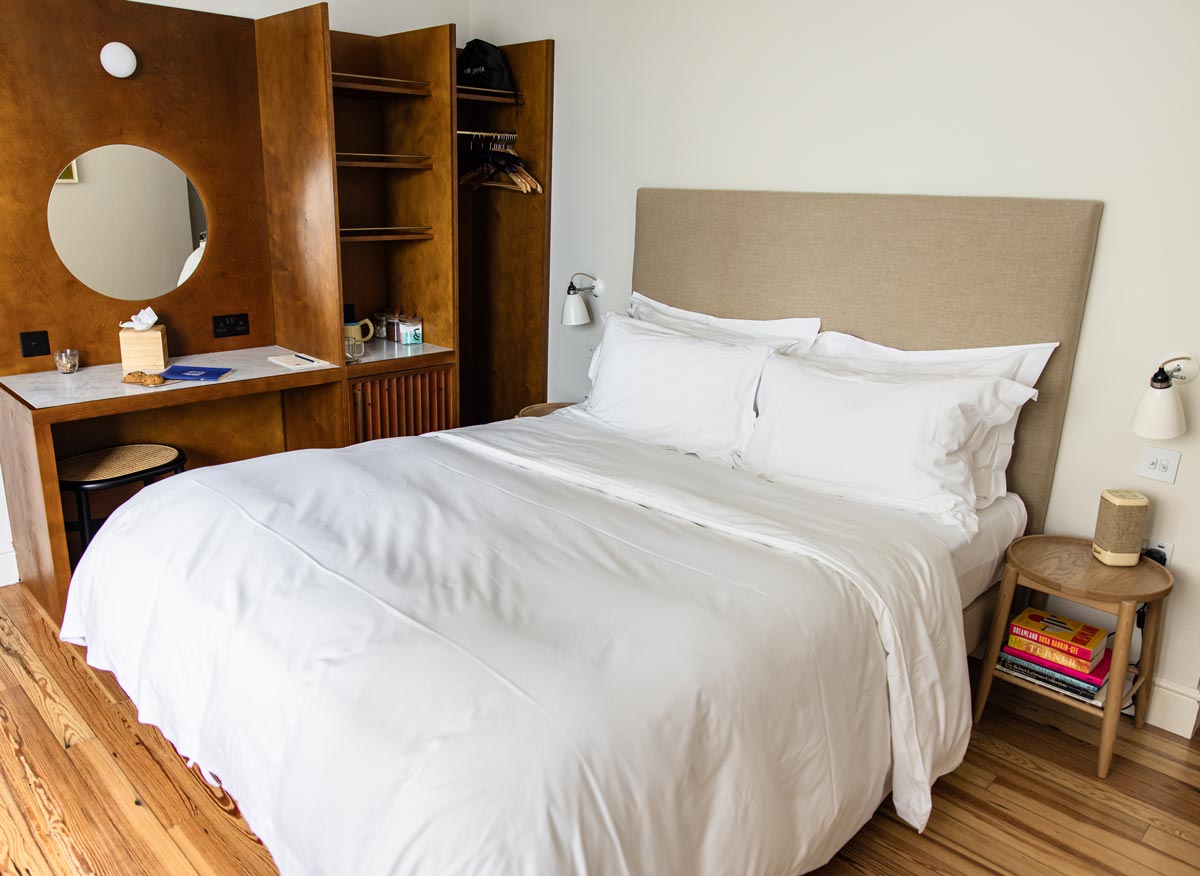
[541, 647]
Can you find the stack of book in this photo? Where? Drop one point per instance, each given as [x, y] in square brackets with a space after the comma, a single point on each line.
[1058, 653]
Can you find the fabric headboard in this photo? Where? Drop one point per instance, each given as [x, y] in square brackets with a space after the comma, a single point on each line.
[910, 271]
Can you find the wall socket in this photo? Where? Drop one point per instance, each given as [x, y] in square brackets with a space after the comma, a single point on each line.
[1158, 464]
[35, 344]
[231, 325]
[1166, 547]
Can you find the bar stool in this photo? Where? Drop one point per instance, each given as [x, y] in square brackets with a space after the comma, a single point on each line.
[113, 467]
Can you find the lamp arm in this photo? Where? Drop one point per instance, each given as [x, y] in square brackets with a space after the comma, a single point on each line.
[1178, 370]
[585, 289]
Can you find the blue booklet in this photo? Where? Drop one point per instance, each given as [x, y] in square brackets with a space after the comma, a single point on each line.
[193, 372]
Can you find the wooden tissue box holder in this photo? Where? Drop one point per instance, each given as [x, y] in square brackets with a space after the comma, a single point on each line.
[144, 351]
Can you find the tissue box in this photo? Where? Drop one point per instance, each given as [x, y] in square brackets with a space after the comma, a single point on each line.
[144, 351]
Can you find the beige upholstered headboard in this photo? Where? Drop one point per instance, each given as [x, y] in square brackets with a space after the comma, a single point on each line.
[909, 271]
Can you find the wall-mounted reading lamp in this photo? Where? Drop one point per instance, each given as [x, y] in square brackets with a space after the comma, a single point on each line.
[118, 60]
[575, 310]
[1159, 414]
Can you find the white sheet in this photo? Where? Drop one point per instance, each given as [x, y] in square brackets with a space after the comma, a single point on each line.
[511, 649]
[978, 563]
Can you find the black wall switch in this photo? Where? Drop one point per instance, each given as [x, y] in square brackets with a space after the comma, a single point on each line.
[35, 344]
[231, 325]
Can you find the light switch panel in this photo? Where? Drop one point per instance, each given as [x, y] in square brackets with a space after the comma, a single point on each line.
[1158, 464]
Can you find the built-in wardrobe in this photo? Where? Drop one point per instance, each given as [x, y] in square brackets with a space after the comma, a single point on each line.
[386, 117]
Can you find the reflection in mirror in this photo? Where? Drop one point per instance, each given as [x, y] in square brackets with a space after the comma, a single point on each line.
[130, 224]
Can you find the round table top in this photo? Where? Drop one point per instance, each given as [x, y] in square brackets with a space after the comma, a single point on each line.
[543, 409]
[1060, 564]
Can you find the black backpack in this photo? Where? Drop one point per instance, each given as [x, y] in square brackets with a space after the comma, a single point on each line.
[482, 65]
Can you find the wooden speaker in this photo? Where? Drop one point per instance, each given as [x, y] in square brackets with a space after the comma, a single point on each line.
[1119, 527]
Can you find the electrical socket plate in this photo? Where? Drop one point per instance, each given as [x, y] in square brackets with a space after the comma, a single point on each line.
[1158, 464]
[35, 344]
[1166, 547]
[231, 325]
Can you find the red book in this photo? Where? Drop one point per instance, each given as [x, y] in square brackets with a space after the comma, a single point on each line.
[1096, 677]
[1073, 638]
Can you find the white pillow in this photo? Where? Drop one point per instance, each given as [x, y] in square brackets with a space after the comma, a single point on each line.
[676, 390]
[1022, 363]
[795, 333]
[896, 440]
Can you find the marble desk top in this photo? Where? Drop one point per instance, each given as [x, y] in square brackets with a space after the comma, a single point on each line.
[48, 389]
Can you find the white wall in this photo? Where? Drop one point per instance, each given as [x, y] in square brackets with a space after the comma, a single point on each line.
[1043, 98]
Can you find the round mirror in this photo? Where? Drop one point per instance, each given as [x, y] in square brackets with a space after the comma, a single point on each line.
[127, 222]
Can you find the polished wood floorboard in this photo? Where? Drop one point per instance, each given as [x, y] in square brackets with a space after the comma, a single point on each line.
[85, 790]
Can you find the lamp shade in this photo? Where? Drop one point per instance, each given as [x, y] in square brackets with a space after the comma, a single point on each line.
[118, 60]
[1159, 414]
[575, 310]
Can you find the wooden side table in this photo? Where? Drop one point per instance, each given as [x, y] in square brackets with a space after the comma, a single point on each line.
[1052, 565]
[542, 409]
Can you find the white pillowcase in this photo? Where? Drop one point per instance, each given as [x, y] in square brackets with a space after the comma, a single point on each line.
[794, 333]
[676, 390]
[1022, 363]
[896, 440]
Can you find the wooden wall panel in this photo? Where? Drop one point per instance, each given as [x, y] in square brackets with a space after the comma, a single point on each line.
[296, 105]
[423, 275]
[193, 99]
[505, 253]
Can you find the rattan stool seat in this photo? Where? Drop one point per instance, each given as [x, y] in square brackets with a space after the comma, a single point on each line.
[112, 467]
[115, 462]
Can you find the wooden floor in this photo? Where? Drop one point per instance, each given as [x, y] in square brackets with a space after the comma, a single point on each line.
[85, 789]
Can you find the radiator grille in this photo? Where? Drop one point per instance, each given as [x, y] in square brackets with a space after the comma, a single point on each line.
[403, 404]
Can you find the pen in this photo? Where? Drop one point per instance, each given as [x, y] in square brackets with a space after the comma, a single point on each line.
[305, 358]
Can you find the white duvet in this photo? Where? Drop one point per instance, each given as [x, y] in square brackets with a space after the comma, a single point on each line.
[533, 647]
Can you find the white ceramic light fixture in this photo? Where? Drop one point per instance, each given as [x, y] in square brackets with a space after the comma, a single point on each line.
[118, 60]
[1159, 414]
[575, 309]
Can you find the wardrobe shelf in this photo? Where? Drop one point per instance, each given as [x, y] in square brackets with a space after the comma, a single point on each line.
[358, 85]
[393, 162]
[489, 95]
[378, 235]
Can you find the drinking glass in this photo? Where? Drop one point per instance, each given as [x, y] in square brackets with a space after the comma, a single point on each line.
[66, 361]
[355, 349]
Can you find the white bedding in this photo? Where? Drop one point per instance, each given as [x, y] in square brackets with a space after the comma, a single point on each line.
[532, 647]
[978, 562]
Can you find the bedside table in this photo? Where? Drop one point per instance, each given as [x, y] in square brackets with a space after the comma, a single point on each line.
[542, 409]
[1051, 565]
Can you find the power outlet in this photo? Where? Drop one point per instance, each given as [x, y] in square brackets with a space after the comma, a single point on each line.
[35, 344]
[230, 325]
[1158, 464]
[1165, 546]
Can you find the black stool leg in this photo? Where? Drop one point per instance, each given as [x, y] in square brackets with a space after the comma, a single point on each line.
[84, 506]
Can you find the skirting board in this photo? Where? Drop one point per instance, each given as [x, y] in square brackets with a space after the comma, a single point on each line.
[1175, 708]
[8, 566]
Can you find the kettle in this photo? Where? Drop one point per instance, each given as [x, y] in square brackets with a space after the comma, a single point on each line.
[356, 331]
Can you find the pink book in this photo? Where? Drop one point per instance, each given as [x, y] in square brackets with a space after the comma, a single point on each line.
[1096, 677]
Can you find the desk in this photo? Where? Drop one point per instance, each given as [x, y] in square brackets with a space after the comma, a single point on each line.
[258, 408]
